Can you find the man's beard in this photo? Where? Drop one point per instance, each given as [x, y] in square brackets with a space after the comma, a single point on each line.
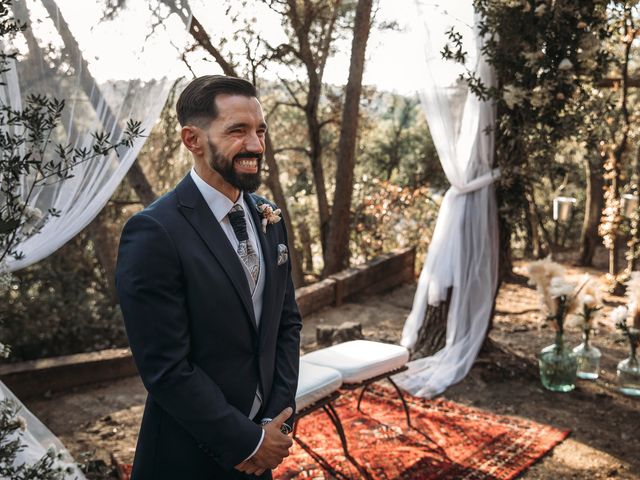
[247, 182]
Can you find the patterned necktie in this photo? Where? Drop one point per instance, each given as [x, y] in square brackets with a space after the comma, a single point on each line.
[246, 251]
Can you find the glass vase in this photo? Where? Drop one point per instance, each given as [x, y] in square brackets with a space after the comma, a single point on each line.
[588, 358]
[629, 375]
[558, 366]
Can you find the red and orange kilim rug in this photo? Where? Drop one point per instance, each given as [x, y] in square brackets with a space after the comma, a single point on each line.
[449, 441]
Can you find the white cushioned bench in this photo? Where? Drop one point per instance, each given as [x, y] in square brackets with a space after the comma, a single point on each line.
[315, 383]
[348, 365]
[363, 362]
[360, 360]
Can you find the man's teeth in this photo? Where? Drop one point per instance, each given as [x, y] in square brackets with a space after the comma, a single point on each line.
[248, 163]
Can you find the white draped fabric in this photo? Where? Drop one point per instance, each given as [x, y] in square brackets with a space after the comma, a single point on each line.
[108, 71]
[463, 253]
[39, 440]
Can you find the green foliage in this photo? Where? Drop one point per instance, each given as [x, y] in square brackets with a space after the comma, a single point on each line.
[11, 431]
[61, 306]
[395, 144]
[387, 216]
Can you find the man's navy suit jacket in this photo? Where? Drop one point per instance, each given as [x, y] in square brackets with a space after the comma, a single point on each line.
[198, 348]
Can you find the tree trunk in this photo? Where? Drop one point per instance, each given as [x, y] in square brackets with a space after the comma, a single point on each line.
[534, 226]
[620, 149]
[105, 239]
[336, 255]
[634, 231]
[105, 244]
[303, 20]
[140, 184]
[317, 168]
[305, 241]
[432, 335]
[273, 182]
[589, 238]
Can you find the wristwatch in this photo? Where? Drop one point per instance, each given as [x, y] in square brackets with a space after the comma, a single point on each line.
[284, 428]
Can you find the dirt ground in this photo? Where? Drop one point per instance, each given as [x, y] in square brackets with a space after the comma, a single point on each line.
[102, 420]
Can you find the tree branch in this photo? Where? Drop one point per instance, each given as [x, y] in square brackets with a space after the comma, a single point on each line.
[292, 93]
[200, 35]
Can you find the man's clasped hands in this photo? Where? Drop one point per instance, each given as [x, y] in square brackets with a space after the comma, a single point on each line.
[274, 447]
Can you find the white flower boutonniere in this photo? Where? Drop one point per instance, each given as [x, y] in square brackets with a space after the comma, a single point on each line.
[269, 215]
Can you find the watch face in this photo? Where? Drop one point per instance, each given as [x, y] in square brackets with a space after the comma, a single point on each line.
[286, 429]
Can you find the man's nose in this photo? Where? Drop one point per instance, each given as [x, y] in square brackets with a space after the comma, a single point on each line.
[254, 143]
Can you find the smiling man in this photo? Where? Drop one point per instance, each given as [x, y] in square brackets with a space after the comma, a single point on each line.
[208, 302]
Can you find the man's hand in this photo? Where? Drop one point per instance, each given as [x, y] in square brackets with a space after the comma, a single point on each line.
[274, 447]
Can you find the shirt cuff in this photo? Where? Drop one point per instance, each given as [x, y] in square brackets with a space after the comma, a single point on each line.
[257, 447]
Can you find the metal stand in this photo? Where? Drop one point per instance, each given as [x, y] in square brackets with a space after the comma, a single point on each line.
[365, 384]
[326, 405]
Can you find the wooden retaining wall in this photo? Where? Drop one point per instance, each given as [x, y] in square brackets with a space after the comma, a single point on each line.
[37, 377]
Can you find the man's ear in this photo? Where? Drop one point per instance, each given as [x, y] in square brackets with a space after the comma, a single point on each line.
[193, 139]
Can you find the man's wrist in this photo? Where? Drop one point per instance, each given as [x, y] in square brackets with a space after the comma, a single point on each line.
[284, 428]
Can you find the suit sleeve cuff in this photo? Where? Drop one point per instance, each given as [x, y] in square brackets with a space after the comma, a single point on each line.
[257, 447]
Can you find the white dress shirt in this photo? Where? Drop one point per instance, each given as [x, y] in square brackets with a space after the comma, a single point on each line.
[220, 206]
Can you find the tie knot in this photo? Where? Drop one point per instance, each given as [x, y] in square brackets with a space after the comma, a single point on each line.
[238, 223]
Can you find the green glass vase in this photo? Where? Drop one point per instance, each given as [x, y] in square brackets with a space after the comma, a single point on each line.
[558, 366]
[588, 358]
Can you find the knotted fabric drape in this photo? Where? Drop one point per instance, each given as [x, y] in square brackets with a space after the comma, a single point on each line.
[463, 253]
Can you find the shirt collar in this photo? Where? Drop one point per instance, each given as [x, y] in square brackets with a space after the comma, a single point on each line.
[218, 202]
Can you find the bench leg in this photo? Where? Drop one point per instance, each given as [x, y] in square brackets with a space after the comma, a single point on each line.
[364, 389]
[404, 402]
[321, 461]
[408, 415]
[335, 419]
[400, 394]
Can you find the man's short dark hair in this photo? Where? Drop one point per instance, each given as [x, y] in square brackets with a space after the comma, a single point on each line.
[196, 103]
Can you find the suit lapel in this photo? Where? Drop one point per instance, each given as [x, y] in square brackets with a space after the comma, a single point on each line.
[266, 246]
[198, 214]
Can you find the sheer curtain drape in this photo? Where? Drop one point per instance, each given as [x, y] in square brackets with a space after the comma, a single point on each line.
[463, 253]
[108, 70]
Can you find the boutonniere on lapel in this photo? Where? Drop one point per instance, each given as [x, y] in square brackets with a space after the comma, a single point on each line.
[268, 214]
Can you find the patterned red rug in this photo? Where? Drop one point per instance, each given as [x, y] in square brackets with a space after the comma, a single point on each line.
[450, 441]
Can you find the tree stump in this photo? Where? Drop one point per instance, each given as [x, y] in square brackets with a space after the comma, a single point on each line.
[327, 335]
[433, 332]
